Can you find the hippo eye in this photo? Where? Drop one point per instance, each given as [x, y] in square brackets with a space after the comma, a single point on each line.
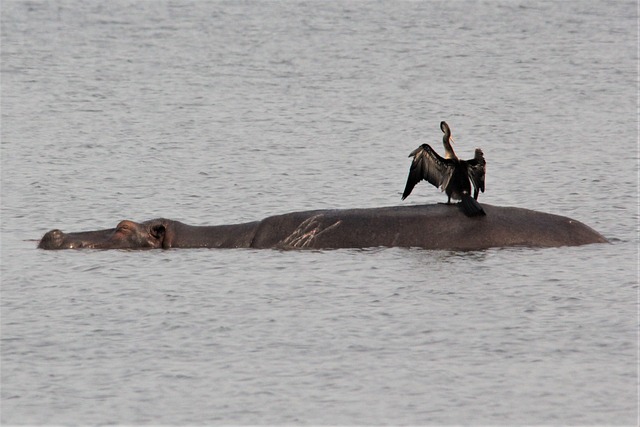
[123, 227]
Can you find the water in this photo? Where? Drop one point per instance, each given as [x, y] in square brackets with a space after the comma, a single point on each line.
[222, 112]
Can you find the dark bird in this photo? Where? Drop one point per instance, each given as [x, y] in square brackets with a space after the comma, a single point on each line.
[450, 174]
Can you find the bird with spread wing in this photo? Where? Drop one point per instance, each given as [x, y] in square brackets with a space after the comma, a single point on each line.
[449, 173]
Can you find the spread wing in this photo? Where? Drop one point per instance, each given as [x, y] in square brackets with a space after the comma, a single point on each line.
[476, 169]
[428, 165]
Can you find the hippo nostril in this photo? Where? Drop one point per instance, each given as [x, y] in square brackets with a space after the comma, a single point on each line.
[52, 240]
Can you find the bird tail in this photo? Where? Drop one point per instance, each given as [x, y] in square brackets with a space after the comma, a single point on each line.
[470, 206]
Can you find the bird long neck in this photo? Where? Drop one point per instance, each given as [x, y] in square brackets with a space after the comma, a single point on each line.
[448, 149]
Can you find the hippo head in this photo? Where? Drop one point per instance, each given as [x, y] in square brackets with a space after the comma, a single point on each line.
[126, 235]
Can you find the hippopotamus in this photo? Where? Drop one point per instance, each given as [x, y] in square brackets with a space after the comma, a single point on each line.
[436, 226]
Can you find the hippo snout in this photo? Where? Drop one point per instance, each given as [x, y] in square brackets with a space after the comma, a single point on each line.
[52, 240]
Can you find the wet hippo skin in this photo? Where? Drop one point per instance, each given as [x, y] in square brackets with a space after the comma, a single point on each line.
[436, 226]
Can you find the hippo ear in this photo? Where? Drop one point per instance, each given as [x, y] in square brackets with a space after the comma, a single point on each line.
[157, 231]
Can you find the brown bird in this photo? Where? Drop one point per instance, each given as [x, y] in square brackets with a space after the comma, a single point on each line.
[450, 174]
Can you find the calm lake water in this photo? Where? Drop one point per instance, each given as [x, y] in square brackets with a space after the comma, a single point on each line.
[223, 112]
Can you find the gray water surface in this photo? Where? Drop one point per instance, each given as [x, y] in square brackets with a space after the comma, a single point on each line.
[222, 112]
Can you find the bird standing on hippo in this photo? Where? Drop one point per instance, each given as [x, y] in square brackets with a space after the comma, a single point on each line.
[450, 174]
[474, 227]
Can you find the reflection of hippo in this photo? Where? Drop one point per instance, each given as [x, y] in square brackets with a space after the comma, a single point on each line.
[427, 226]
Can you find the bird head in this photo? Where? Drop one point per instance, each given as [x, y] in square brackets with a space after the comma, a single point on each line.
[445, 129]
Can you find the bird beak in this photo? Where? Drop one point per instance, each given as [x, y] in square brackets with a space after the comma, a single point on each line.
[451, 139]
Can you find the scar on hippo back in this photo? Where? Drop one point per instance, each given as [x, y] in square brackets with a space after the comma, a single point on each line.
[309, 230]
